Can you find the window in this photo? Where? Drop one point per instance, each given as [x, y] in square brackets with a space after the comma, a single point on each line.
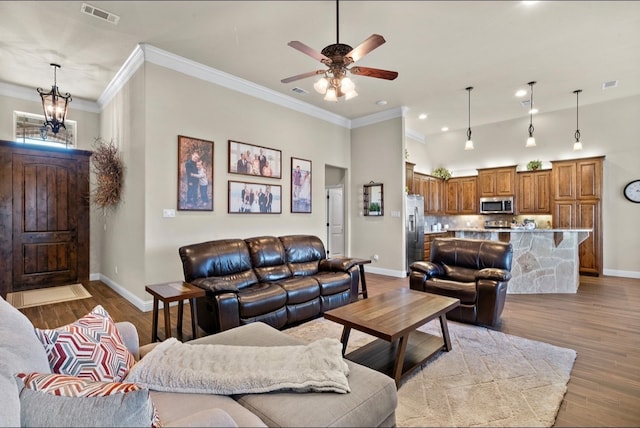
[29, 128]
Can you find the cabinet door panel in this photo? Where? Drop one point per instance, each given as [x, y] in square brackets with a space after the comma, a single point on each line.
[469, 200]
[588, 216]
[589, 179]
[564, 214]
[505, 182]
[564, 181]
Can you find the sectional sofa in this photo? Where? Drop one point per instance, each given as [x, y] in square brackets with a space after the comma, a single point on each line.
[371, 402]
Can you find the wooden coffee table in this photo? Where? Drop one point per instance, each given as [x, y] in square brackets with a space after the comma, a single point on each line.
[393, 317]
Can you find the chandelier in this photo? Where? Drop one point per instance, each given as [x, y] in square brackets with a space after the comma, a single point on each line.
[54, 105]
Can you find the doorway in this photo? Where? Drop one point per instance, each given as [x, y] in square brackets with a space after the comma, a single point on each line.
[335, 214]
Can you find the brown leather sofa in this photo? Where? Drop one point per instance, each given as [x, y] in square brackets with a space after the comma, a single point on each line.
[276, 280]
[472, 270]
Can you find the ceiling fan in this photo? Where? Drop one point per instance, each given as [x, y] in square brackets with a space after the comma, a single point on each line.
[338, 57]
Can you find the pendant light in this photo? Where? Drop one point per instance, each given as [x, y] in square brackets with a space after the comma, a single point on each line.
[54, 104]
[531, 142]
[578, 144]
[469, 144]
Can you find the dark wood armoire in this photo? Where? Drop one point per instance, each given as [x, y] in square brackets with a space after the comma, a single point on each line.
[44, 216]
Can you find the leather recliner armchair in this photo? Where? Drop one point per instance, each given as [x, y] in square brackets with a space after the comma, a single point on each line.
[472, 270]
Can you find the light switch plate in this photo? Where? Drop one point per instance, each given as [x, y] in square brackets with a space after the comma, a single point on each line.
[168, 212]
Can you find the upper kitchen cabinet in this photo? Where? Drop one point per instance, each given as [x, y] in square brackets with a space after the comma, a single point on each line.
[409, 177]
[577, 179]
[534, 192]
[497, 181]
[461, 195]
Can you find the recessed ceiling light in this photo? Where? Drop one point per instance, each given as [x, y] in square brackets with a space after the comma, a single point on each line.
[381, 102]
[529, 2]
[422, 116]
[444, 128]
[533, 111]
[521, 93]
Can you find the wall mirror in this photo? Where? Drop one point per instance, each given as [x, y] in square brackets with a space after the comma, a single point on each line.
[373, 199]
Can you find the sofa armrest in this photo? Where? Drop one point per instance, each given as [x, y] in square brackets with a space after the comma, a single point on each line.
[215, 285]
[129, 335]
[493, 274]
[427, 268]
[337, 264]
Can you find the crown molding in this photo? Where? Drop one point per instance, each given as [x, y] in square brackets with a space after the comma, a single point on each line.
[378, 117]
[126, 72]
[30, 94]
[212, 75]
[145, 52]
[415, 135]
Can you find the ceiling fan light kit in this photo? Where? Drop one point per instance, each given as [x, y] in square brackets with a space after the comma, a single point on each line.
[338, 57]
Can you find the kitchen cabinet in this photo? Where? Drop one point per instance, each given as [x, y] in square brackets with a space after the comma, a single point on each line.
[577, 179]
[409, 177]
[431, 189]
[461, 195]
[577, 203]
[497, 181]
[534, 192]
[428, 239]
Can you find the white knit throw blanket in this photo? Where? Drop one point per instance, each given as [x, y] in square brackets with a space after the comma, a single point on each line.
[224, 369]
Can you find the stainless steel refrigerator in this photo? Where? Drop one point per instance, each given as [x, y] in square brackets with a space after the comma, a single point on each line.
[414, 229]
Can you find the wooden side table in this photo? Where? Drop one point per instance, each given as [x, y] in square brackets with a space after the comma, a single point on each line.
[363, 282]
[170, 292]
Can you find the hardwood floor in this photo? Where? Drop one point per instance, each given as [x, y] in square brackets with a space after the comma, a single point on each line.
[601, 322]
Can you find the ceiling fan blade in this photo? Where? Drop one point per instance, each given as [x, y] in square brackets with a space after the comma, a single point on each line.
[374, 72]
[307, 50]
[372, 42]
[302, 76]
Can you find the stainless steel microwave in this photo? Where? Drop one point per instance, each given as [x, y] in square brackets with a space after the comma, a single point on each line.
[497, 205]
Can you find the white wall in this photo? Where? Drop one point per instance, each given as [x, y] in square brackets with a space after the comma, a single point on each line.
[610, 129]
[143, 244]
[377, 154]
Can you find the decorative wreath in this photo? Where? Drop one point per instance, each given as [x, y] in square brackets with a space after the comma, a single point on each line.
[109, 172]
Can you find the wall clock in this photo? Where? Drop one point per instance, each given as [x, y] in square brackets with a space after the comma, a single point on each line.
[632, 191]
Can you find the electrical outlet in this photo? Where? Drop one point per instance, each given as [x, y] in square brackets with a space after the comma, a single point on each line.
[375, 257]
[116, 268]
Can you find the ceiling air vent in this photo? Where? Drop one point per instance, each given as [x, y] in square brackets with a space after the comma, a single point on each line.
[99, 13]
[525, 103]
[610, 84]
[299, 91]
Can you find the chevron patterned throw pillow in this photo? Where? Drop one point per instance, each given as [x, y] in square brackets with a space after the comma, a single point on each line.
[89, 348]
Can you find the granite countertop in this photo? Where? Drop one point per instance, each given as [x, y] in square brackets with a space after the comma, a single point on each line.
[510, 230]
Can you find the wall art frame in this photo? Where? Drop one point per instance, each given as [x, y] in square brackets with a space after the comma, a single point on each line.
[301, 185]
[253, 160]
[195, 174]
[254, 198]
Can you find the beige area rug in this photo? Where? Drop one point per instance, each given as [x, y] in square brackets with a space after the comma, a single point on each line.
[47, 296]
[488, 379]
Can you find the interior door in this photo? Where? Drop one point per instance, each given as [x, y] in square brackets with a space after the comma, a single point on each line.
[335, 221]
[45, 221]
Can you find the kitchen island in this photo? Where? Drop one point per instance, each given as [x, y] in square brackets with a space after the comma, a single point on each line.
[544, 260]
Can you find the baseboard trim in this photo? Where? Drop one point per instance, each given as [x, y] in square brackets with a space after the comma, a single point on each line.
[621, 273]
[387, 272]
[143, 305]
